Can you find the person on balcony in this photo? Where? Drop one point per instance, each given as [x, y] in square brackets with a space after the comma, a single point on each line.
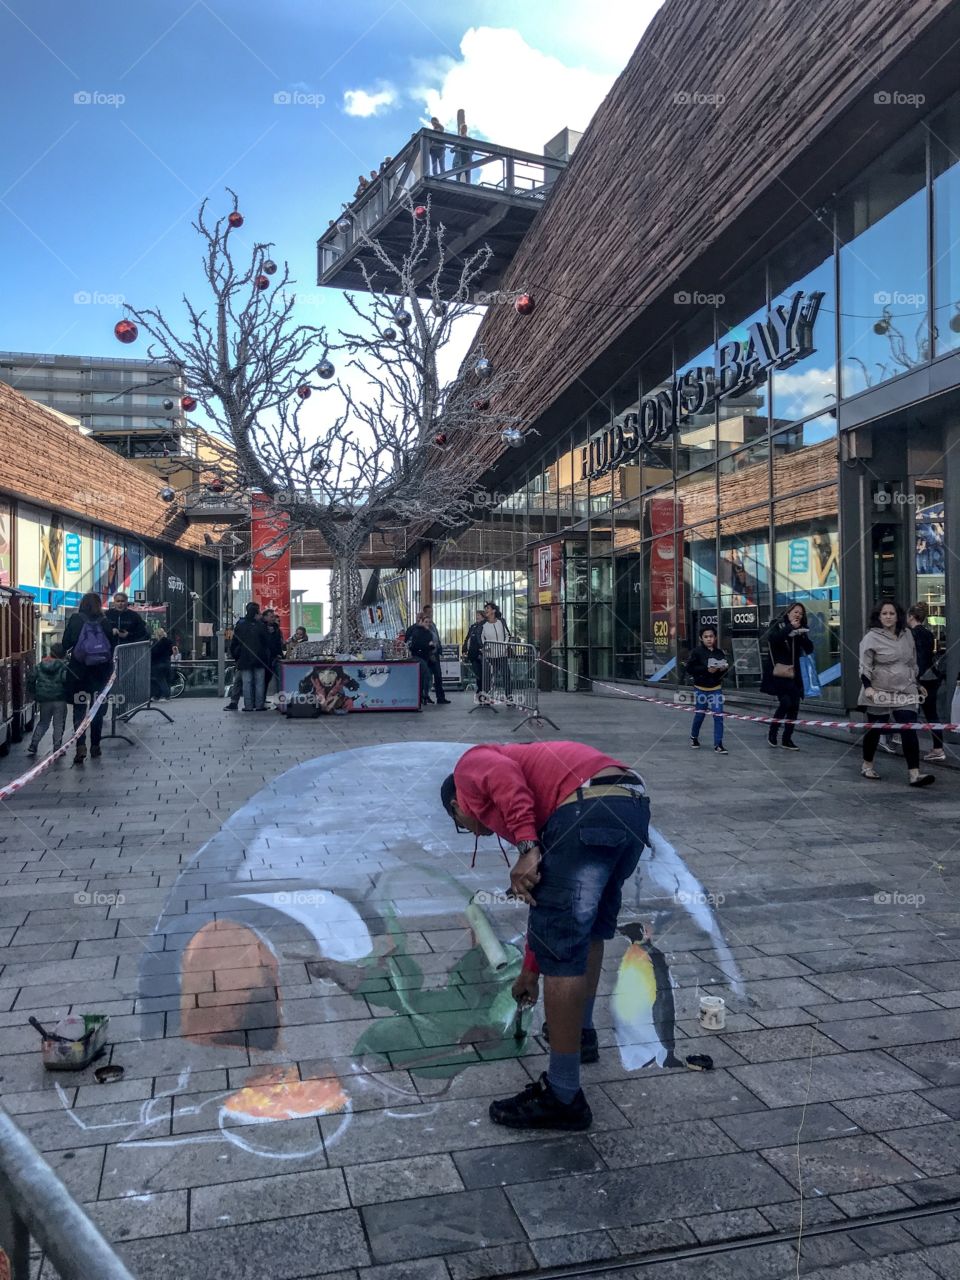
[437, 150]
[462, 157]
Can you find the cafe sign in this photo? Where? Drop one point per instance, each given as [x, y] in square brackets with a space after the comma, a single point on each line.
[740, 364]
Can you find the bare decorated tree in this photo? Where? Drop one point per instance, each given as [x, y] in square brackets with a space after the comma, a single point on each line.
[380, 463]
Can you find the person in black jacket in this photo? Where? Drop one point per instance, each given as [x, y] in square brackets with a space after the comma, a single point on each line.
[250, 649]
[277, 646]
[931, 674]
[127, 625]
[89, 669]
[706, 667]
[786, 639]
[419, 641]
[473, 648]
[160, 654]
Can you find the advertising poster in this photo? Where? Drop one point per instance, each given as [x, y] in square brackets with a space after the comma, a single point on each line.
[664, 514]
[27, 567]
[311, 618]
[341, 687]
[51, 558]
[6, 545]
[271, 559]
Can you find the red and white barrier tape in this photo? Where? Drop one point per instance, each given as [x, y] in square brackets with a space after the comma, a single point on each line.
[732, 715]
[47, 761]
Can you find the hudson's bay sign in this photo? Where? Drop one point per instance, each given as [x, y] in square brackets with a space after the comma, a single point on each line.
[740, 364]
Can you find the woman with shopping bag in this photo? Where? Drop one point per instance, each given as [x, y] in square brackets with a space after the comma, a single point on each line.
[890, 688]
[787, 641]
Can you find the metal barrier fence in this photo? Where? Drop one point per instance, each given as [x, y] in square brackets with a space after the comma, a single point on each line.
[35, 1203]
[131, 691]
[510, 671]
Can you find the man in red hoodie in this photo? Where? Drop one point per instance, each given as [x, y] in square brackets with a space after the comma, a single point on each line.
[579, 819]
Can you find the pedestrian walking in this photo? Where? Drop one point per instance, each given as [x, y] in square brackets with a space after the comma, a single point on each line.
[890, 688]
[250, 649]
[931, 667]
[787, 639]
[706, 666]
[473, 647]
[496, 666]
[89, 641]
[161, 670]
[437, 149]
[436, 653]
[277, 648]
[579, 819]
[47, 686]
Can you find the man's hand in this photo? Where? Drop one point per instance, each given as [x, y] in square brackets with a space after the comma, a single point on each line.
[526, 988]
[525, 875]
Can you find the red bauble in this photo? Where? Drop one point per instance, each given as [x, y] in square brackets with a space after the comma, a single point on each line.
[481, 405]
[304, 392]
[216, 486]
[188, 404]
[440, 438]
[524, 305]
[262, 282]
[125, 331]
[235, 219]
[420, 212]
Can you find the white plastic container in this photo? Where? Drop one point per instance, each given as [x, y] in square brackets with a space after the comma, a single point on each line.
[713, 1013]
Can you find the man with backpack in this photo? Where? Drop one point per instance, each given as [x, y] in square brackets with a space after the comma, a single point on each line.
[89, 640]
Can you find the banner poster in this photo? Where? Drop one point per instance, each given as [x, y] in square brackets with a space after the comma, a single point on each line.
[271, 559]
[6, 545]
[340, 687]
[51, 556]
[665, 515]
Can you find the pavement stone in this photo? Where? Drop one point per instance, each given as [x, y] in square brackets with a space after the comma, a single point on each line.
[457, 1222]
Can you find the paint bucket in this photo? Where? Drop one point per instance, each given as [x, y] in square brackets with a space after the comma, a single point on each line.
[713, 1013]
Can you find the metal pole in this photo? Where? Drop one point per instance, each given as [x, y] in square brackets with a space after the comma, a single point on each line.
[221, 619]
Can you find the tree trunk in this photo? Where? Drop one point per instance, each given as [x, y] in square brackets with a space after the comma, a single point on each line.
[346, 589]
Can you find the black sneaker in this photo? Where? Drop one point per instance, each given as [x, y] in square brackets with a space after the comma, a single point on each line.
[790, 746]
[589, 1048]
[31, 751]
[695, 743]
[772, 742]
[538, 1107]
[721, 750]
[231, 706]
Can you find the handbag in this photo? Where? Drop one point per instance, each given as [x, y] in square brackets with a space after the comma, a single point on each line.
[784, 670]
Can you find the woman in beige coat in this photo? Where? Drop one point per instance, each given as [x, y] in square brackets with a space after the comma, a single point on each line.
[888, 675]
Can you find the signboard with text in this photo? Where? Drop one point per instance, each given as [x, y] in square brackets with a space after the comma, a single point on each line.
[336, 688]
[270, 568]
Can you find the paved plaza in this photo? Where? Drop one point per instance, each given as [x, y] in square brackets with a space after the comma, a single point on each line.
[273, 915]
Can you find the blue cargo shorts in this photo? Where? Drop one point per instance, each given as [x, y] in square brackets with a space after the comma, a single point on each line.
[590, 848]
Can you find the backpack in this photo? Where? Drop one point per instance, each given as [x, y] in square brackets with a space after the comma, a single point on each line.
[92, 647]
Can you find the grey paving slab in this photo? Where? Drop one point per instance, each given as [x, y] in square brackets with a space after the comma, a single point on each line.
[417, 1269]
[405, 1179]
[909, 1266]
[826, 1078]
[892, 1111]
[841, 1164]
[279, 1195]
[459, 1222]
[566, 1251]
[755, 1129]
[932, 1148]
[938, 1063]
[896, 1029]
[650, 1145]
[659, 1098]
[777, 1044]
[152, 1214]
[547, 1157]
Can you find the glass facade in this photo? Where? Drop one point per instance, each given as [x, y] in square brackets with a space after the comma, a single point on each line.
[623, 539]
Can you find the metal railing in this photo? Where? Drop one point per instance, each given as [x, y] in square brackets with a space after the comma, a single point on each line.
[131, 692]
[510, 677]
[35, 1204]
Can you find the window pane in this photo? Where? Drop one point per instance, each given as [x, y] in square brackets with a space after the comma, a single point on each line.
[744, 581]
[699, 582]
[883, 269]
[696, 411]
[745, 476]
[806, 263]
[805, 456]
[945, 158]
[807, 554]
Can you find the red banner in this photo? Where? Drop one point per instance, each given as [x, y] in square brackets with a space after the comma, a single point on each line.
[271, 560]
[666, 548]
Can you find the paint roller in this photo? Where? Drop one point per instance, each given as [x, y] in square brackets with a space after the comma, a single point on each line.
[487, 940]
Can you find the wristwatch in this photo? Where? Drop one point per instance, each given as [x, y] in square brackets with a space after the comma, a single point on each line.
[524, 846]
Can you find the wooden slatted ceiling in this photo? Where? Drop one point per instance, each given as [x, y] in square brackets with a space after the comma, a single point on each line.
[47, 462]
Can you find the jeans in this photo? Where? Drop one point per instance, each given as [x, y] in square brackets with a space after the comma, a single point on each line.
[160, 680]
[236, 688]
[908, 737]
[433, 665]
[424, 679]
[86, 686]
[590, 848]
[437, 154]
[788, 708]
[254, 682]
[713, 702]
[55, 711]
[929, 709]
[497, 678]
[477, 665]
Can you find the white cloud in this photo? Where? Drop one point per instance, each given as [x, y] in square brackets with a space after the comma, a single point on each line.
[364, 102]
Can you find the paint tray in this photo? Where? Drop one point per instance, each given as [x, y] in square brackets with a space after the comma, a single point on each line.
[61, 1054]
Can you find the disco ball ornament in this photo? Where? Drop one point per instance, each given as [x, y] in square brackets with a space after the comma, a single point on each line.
[439, 308]
[483, 368]
[524, 305]
[235, 219]
[216, 485]
[420, 212]
[390, 335]
[440, 438]
[188, 404]
[318, 462]
[167, 494]
[325, 369]
[881, 328]
[125, 331]
[512, 436]
[168, 405]
[344, 225]
[304, 392]
[403, 318]
[262, 282]
[270, 267]
[481, 405]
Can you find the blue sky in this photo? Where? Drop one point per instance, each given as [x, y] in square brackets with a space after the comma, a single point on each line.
[97, 197]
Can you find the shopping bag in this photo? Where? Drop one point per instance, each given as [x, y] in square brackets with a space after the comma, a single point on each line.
[810, 676]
